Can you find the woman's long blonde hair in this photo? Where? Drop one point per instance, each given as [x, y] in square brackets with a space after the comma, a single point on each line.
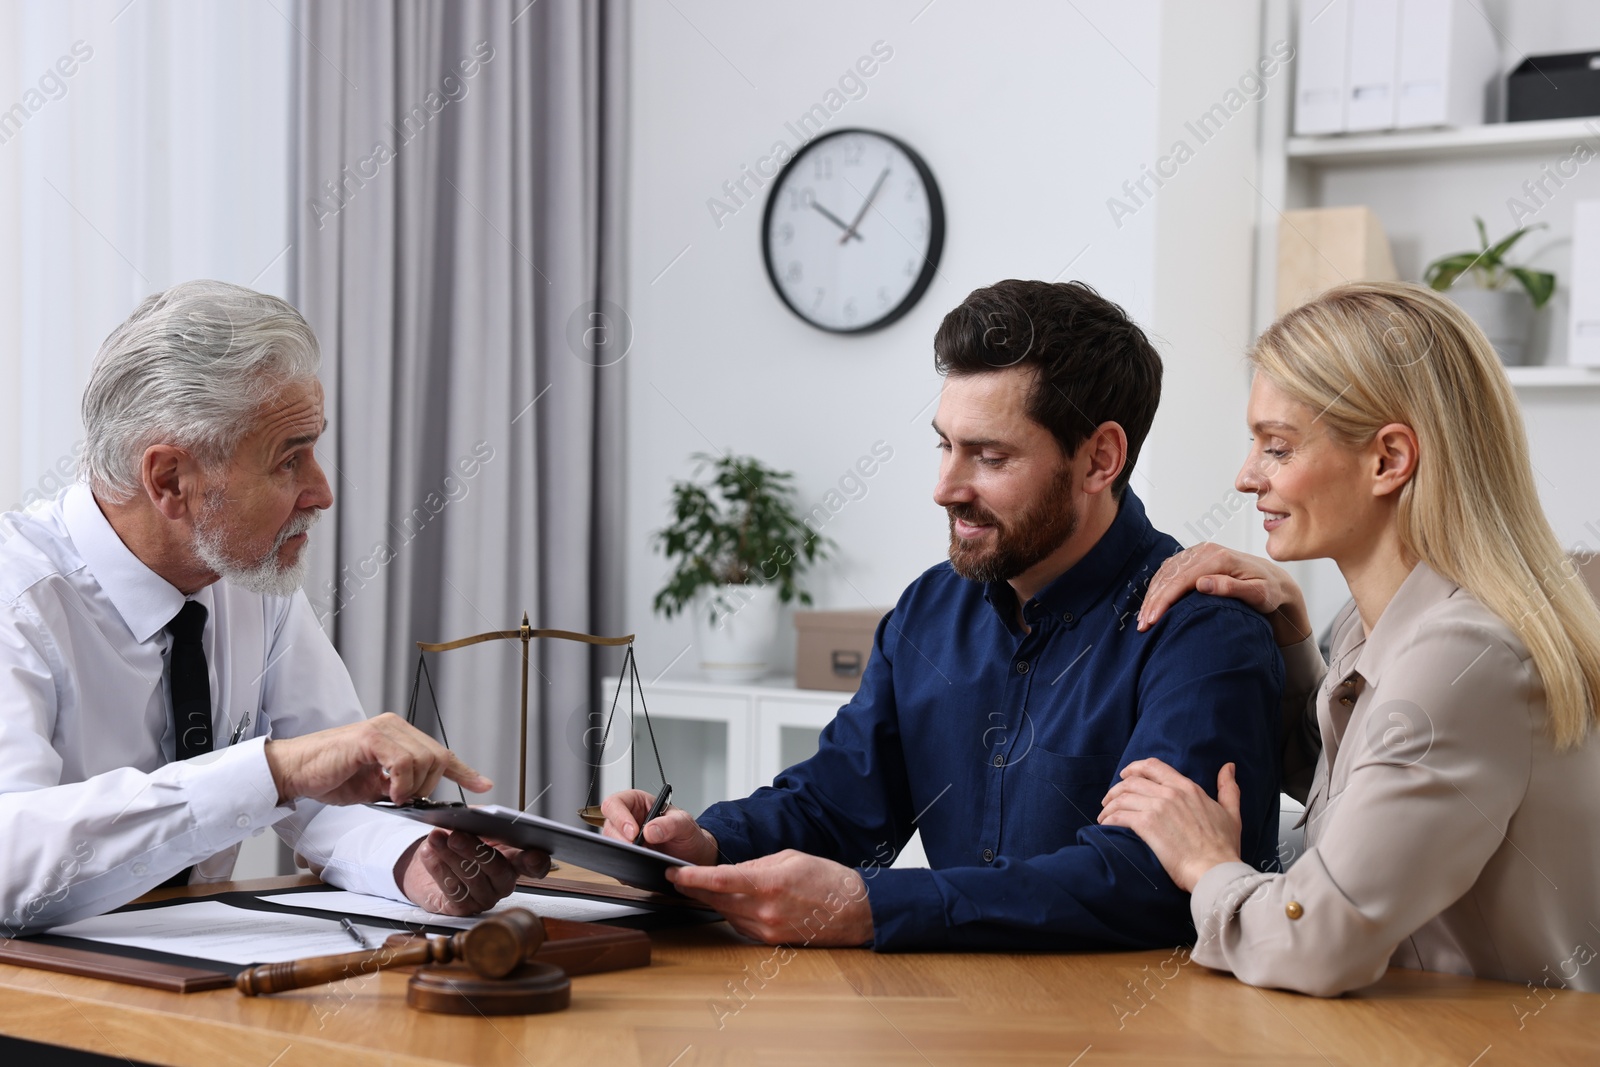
[1374, 353]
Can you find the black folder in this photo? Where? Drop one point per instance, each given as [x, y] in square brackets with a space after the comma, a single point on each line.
[628, 863]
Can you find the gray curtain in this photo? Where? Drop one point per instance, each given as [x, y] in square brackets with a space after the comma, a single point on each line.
[458, 195]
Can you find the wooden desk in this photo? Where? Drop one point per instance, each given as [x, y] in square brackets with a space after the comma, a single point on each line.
[827, 1006]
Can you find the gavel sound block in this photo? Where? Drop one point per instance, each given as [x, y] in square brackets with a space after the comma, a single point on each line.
[497, 978]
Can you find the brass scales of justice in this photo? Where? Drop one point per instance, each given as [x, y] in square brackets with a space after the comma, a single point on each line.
[629, 677]
[490, 969]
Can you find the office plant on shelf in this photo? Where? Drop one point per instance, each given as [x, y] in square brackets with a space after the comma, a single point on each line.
[1500, 298]
[738, 547]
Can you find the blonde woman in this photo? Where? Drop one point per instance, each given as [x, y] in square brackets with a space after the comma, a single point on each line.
[1453, 819]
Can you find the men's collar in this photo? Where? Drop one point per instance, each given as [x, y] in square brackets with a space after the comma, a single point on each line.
[145, 600]
[1083, 585]
[1423, 588]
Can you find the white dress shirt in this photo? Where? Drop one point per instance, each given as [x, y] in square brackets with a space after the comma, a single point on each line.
[93, 809]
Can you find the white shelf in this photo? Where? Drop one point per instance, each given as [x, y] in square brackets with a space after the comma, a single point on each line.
[771, 685]
[1469, 142]
[1553, 377]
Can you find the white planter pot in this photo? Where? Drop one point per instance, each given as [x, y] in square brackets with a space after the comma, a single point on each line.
[1505, 314]
[736, 637]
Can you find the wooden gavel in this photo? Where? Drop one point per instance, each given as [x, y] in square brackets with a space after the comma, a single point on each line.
[493, 949]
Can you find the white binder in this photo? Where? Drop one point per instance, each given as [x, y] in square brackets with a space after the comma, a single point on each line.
[1320, 67]
[1365, 65]
[1448, 58]
[1374, 60]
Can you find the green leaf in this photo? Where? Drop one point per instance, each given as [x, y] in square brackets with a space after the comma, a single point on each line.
[1490, 267]
[1541, 284]
[1496, 255]
[1442, 273]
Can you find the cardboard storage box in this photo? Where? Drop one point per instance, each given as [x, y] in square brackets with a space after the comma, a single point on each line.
[833, 647]
[1321, 247]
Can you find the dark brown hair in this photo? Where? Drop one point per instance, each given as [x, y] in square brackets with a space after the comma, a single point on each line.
[1091, 363]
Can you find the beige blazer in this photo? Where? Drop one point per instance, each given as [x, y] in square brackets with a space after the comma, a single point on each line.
[1443, 829]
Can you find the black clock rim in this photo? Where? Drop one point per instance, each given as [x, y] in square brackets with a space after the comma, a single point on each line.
[930, 264]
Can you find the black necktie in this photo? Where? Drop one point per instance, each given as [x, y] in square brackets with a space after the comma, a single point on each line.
[190, 684]
[190, 681]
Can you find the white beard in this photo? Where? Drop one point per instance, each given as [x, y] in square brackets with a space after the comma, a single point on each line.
[268, 575]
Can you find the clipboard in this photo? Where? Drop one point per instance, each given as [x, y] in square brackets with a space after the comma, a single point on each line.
[635, 865]
[578, 947]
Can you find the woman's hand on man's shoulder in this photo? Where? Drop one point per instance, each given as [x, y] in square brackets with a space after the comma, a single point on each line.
[1211, 568]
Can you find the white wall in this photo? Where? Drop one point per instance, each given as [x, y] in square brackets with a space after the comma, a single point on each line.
[1031, 115]
[1204, 263]
[1003, 105]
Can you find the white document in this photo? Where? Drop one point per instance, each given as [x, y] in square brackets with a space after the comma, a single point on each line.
[548, 907]
[212, 930]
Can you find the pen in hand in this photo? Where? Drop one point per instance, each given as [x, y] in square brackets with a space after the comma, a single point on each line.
[655, 810]
[350, 928]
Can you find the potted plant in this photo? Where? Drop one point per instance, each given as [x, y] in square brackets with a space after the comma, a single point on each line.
[1503, 310]
[739, 549]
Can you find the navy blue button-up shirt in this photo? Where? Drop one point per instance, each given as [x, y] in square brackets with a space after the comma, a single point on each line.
[997, 743]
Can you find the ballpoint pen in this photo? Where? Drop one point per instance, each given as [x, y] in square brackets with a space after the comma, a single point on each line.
[350, 928]
[655, 811]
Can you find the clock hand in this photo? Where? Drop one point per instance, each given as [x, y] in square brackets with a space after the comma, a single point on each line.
[851, 231]
[836, 220]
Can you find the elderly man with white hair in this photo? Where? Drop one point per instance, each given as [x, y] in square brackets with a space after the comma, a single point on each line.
[165, 689]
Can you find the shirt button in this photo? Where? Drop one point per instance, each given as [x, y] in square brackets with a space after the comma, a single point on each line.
[988, 855]
[1346, 701]
[1348, 683]
[999, 759]
[1293, 909]
[242, 821]
[1022, 666]
[139, 869]
[1066, 617]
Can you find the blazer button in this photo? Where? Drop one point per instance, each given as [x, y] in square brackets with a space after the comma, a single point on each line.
[1293, 909]
[988, 855]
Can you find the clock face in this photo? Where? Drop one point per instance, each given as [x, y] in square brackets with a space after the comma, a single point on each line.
[853, 231]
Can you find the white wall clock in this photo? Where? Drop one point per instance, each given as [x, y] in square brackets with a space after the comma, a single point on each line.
[853, 231]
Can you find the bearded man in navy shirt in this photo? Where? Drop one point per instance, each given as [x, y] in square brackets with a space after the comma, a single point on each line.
[1010, 685]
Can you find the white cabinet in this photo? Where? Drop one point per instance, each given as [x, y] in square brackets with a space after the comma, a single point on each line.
[788, 726]
[721, 742]
[717, 742]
